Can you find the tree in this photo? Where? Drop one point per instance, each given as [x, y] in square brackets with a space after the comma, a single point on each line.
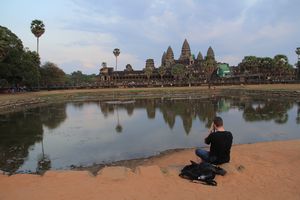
[2, 50]
[11, 49]
[178, 71]
[9, 43]
[44, 161]
[298, 114]
[30, 68]
[77, 78]
[52, 75]
[119, 127]
[38, 29]
[116, 53]
[265, 65]
[162, 71]
[21, 135]
[272, 68]
[298, 52]
[248, 64]
[281, 64]
[17, 65]
[148, 72]
[190, 74]
[298, 70]
[270, 110]
[298, 63]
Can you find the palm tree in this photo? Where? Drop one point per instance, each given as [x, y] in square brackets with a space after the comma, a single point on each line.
[298, 52]
[178, 71]
[148, 73]
[38, 29]
[189, 72]
[298, 114]
[119, 127]
[116, 53]
[298, 63]
[162, 71]
[44, 162]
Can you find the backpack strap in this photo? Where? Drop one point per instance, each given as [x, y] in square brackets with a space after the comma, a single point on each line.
[219, 171]
[210, 182]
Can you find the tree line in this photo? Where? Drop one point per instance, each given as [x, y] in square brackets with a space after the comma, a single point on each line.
[276, 67]
[21, 68]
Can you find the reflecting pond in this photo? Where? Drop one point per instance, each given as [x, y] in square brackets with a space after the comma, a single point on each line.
[60, 136]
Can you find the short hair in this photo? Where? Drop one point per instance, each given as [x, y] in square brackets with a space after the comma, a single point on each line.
[218, 121]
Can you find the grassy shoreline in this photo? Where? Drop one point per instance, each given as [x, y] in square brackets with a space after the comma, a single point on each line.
[19, 101]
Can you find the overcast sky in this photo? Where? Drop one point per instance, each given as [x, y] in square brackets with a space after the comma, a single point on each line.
[81, 34]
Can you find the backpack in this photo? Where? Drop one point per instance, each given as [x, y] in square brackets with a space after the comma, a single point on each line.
[203, 172]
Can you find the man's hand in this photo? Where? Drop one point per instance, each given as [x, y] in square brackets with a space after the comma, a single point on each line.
[212, 128]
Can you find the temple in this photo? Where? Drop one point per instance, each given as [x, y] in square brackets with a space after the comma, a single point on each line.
[196, 69]
[191, 70]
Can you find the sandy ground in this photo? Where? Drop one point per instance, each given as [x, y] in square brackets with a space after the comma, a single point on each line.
[257, 171]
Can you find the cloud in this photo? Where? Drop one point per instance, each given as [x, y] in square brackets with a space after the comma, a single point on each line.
[274, 32]
[89, 58]
[85, 50]
[158, 24]
[84, 33]
[145, 29]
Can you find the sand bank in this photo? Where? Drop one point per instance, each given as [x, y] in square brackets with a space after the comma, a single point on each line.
[257, 171]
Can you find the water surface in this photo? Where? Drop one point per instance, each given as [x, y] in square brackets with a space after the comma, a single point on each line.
[60, 136]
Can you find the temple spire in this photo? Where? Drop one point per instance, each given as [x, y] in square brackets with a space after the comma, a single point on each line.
[199, 57]
[169, 59]
[163, 59]
[185, 51]
[210, 54]
[170, 54]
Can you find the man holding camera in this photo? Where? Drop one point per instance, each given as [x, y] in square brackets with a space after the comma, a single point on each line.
[220, 144]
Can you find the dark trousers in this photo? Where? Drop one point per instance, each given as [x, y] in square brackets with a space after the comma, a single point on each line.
[204, 155]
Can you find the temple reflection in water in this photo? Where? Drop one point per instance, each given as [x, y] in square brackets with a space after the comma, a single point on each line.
[203, 109]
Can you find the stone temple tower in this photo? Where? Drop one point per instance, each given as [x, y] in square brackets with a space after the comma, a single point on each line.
[185, 51]
[150, 64]
[163, 59]
[169, 58]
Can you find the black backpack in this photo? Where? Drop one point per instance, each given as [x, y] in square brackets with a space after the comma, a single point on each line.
[203, 172]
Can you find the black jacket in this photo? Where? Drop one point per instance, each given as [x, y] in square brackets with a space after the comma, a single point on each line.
[220, 145]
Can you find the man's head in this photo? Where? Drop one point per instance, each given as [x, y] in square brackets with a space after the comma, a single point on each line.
[218, 121]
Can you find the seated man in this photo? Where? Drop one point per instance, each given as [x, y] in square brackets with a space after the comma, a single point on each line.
[220, 144]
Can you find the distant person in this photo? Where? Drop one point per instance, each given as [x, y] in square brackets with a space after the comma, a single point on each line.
[220, 144]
